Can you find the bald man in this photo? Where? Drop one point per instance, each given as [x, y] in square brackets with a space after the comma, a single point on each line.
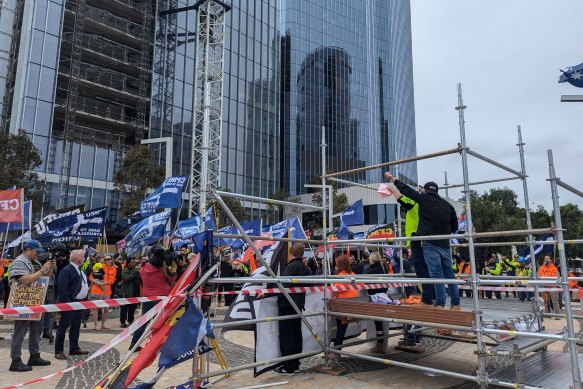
[72, 287]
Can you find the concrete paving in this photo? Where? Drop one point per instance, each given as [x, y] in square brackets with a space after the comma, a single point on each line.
[238, 349]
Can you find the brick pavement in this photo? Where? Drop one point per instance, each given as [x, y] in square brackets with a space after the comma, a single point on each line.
[440, 353]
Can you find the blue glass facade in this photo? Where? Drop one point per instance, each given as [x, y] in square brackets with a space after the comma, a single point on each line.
[345, 65]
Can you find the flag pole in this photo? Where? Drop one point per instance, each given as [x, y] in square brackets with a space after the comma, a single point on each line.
[5, 238]
[21, 216]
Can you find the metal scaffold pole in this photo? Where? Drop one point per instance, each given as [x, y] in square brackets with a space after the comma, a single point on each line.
[482, 377]
[572, 340]
[536, 302]
[326, 260]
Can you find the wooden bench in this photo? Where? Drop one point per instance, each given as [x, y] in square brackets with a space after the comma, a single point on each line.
[360, 306]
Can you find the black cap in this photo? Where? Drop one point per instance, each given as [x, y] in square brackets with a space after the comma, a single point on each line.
[430, 186]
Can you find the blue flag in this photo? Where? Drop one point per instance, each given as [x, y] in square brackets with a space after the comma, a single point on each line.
[209, 219]
[343, 232]
[573, 75]
[27, 211]
[167, 195]
[146, 232]
[539, 248]
[185, 336]
[188, 228]
[252, 228]
[127, 222]
[279, 230]
[353, 215]
[88, 225]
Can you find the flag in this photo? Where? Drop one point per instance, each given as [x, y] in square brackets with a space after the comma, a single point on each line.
[573, 75]
[120, 245]
[189, 227]
[185, 336]
[42, 227]
[209, 219]
[539, 248]
[167, 319]
[167, 195]
[462, 223]
[353, 215]
[343, 232]
[117, 381]
[11, 205]
[126, 222]
[251, 228]
[89, 224]
[148, 231]
[16, 226]
[281, 229]
[21, 239]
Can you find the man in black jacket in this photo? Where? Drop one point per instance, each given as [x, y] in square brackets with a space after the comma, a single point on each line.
[436, 217]
[290, 331]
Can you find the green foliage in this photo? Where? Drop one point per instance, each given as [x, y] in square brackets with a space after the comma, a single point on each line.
[572, 220]
[222, 219]
[497, 210]
[136, 176]
[18, 159]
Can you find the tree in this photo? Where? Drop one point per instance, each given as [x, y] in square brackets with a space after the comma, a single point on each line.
[572, 221]
[275, 212]
[222, 219]
[540, 218]
[340, 202]
[136, 176]
[18, 159]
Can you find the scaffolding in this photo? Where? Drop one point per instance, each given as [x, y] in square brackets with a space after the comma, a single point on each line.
[531, 340]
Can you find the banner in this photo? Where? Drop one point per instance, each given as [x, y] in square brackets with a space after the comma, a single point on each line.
[353, 215]
[148, 231]
[126, 222]
[16, 226]
[90, 224]
[27, 295]
[167, 195]
[188, 228]
[41, 228]
[380, 232]
[11, 207]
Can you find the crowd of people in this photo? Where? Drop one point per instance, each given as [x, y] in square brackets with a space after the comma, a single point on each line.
[79, 275]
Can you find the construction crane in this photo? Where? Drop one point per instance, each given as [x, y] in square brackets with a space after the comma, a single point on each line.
[205, 164]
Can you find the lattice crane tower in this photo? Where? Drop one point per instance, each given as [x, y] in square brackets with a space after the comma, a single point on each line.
[208, 102]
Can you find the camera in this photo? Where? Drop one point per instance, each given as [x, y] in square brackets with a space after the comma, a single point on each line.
[54, 252]
[158, 256]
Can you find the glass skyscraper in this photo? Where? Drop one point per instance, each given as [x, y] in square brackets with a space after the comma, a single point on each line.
[345, 65]
[291, 67]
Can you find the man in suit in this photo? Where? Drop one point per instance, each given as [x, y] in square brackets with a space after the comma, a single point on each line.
[72, 287]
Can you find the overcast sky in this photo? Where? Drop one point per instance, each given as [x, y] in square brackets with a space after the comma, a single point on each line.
[507, 55]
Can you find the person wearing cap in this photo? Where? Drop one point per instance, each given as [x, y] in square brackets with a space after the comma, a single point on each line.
[436, 217]
[22, 272]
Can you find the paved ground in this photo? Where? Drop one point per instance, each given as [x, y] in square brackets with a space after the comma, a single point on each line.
[237, 348]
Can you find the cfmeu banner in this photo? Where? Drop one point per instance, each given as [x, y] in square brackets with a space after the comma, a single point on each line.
[11, 205]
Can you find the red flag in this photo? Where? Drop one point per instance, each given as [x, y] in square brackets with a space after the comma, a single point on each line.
[161, 328]
[11, 206]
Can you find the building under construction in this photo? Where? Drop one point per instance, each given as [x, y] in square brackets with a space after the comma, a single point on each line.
[78, 81]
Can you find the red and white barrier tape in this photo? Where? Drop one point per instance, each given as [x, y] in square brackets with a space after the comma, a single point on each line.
[517, 288]
[75, 306]
[106, 347]
[309, 289]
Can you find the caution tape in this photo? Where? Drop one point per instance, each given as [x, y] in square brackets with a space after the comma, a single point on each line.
[106, 347]
[308, 289]
[517, 288]
[75, 306]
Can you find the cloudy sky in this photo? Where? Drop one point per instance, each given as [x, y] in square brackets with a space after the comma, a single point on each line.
[507, 55]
